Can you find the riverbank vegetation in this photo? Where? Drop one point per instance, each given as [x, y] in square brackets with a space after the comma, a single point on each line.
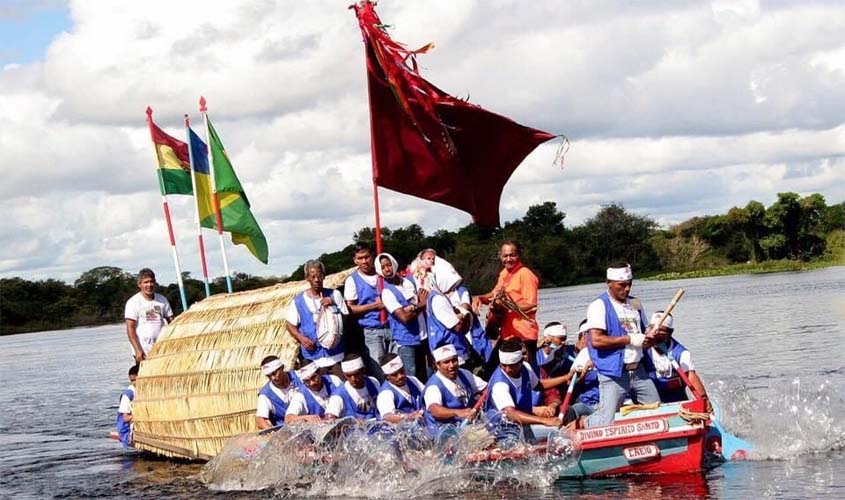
[794, 233]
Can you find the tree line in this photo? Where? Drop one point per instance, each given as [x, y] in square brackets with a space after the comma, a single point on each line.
[793, 227]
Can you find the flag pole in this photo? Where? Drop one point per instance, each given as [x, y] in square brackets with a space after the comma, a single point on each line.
[216, 199]
[196, 207]
[167, 213]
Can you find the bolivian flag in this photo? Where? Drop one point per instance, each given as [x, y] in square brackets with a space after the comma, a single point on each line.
[173, 162]
[234, 206]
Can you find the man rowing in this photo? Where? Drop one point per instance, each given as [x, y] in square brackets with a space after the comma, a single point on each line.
[312, 396]
[617, 336]
[509, 395]
[400, 398]
[275, 397]
[451, 392]
[357, 396]
[658, 363]
[587, 390]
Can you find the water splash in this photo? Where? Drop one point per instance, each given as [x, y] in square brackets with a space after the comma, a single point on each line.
[379, 461]
[788, 418]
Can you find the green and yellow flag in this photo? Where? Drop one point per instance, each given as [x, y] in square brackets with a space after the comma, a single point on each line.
[234, 206]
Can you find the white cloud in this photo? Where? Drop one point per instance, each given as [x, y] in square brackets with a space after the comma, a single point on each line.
[674, 108]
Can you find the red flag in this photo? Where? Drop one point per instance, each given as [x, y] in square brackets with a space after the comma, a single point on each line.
[429, 144]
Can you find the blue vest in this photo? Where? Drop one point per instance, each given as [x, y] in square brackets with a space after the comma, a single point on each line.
[402, 404]
[405, 334]
[350, 409]
[124, 429]
[311, 404]
[589, 389]
[609, 361]
[439, 335]
[308, 327]
[449, 400]
[521, 395]
[367, 294]
[669, 385]
[280, 408]
[480, 343]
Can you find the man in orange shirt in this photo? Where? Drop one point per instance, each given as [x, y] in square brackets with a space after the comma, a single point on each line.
[519, 284]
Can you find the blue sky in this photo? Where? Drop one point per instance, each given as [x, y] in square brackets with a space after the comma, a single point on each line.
[27, 28]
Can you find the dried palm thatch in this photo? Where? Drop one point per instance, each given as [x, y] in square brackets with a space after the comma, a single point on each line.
[199, 383]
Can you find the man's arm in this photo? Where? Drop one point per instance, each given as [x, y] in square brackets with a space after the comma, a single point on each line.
[301, 339]
[440, 412]
[262, 423]
[132, 334]
[358, 310]
[521, 417]
[599, 339]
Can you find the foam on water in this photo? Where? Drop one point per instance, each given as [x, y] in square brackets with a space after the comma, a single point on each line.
[381, 461]
[787, 418]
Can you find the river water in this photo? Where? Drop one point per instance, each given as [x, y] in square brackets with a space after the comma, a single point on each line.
[769, 348]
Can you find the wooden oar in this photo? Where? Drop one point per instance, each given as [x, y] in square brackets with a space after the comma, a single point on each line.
[569, 391]
[659, 349]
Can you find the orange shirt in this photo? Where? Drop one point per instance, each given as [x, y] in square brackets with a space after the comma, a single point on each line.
[521, 285]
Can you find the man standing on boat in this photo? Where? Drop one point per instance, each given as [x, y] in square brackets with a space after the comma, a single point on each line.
[519, 286]
[658, 362]
[275, 397]
[312, 396]
[361, 292]
[405, 305]
[617, 337]
[400, 398]
[451, 392]
[357, 396]
[314, 318]
[146, 313]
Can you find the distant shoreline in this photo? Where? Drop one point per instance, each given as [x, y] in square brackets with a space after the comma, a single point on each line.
[779, 266]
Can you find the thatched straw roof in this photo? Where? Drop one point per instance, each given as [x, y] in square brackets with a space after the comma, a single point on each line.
[199, 383]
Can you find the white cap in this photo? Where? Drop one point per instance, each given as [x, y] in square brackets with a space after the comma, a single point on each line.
[584, 328]
[352, 366]
[668, 322]
[392, 366]
[307, 371]
[557, 330]
[271, 366]
[324, 362]
[620, 273]
[444, 352]
[510, 358]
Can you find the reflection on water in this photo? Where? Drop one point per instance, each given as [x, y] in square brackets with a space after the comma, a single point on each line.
[768, 347]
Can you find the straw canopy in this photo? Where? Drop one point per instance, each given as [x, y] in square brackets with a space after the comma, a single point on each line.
[199, 383]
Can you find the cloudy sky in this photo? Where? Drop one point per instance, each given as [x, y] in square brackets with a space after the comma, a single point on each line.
[675, 108]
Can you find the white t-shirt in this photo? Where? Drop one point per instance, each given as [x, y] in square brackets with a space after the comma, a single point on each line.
[444, 311]
[265, 407]
[361, 397]
[663, 364]
[313, 305]
[432, 393]
[500, 391]
[409, 291]
[350, 292]
[581, 359]
[150, 316]
[125, 405]
[298, 405]
[629, 319]
[384, 402]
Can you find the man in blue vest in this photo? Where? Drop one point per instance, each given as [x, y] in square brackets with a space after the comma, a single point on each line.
[616, 340]
[357, 396]
[275, 396]
[363, 298]
[405, 306]
[400, 397]
[510, 394]
[124, 410]
[314, 318]
[451, 392]
[658, 363]
[312, 395]
[586, 394]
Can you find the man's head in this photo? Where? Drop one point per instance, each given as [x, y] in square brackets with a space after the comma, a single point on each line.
[427, 257]
[386, 266]
[315, 273]
[353, 369]
[446, 361]
[510, 253]
[362, 256]
[667, 328]
[582, 335]
[510, 357]
[273, 368]
[133, 373]
[394, 369]
[309, 374]
[147, 282]
[554, 334]
[619, 280]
